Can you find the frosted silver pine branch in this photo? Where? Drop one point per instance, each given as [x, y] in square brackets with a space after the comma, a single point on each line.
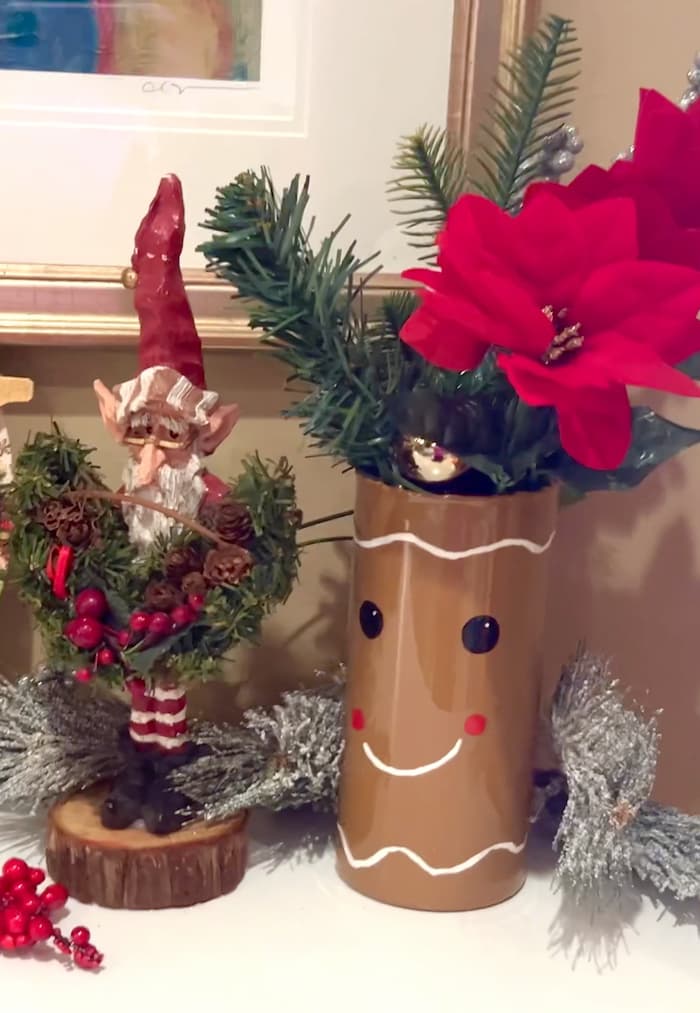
[610, 831]
[56, 737]
[282, 758]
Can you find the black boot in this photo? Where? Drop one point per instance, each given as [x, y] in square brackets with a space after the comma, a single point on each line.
[166, 809]
[122, 807]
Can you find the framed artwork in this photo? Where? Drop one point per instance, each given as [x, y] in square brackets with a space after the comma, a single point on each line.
[130, 90]
[216, 40]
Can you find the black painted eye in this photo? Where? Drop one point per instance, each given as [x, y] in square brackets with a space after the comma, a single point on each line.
[371, 619]
[480, 634]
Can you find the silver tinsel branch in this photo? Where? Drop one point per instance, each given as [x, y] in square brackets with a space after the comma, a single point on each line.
[56, 736]
[610, 831]
[282, 758]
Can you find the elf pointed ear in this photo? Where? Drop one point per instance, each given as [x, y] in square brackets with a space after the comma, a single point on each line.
[108, 409]
[221, 422]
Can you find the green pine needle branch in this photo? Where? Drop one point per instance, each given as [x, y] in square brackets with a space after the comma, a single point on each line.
[431, 174]
[531, 99]
[307, 302]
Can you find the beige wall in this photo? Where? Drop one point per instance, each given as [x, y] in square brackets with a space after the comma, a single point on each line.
[627, 566]
[304, 634]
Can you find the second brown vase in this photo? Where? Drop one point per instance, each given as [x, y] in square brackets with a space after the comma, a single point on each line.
[443, 696]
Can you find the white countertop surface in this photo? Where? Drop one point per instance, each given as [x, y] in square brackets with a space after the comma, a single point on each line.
[294, 938]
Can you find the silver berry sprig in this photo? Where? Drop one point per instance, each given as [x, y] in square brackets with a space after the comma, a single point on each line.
[559, 151]
[692, 92]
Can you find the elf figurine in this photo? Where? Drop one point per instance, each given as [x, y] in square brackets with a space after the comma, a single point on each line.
[170, 423]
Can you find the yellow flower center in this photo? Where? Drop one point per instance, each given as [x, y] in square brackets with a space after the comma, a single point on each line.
[568, 337]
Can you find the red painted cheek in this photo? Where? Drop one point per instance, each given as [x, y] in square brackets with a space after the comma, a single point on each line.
[357, 719]
[475, 724]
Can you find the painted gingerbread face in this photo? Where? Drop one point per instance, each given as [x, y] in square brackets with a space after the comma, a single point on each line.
[441, 705]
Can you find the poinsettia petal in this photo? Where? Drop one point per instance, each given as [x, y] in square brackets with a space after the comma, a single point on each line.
[444, 344]
[512, 319]
[667, 153]
[538, 250]
[661, 134]
[477, 235]
[596, 426]
[424, 276]
[554, 247]
[545, 251]
[650, 302]
[540, 385]
[474, 291]
[609, 232]
[635, 364]
[594, 421]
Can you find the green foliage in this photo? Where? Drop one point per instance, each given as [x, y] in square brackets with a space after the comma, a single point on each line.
[531, 99]
[432, 174]
[52, 466]
[308, 304]
[654, 441]
[49, 466]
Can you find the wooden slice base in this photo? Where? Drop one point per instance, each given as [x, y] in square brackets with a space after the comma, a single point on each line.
[137, 870]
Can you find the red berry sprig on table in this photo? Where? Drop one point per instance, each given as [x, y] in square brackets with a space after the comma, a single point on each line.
[24, 915]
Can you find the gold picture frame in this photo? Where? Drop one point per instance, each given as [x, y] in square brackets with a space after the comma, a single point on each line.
[69, 306]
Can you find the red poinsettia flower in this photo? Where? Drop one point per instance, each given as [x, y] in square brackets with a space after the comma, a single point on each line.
[573, 313]
[661, 178]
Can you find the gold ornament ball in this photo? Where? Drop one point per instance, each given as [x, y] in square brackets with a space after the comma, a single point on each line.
[426, 461]
[129, 277]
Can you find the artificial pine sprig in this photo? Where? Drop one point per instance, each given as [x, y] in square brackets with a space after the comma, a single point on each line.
[531, 99]
[308, 304]
[432, 173]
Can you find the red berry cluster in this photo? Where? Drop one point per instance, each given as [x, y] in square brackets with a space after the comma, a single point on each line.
[24, 915]
[89, 632]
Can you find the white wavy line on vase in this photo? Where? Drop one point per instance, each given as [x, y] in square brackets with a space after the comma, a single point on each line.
[410, 771]
[451, 870]
[536, 548]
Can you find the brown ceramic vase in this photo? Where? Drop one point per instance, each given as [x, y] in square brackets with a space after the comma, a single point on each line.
[443, 697]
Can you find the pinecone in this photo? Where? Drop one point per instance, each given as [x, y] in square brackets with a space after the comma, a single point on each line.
[78, 532]
[194, 583]
[227, 565]
[233, 522]
[55, 512]
[181, 561]
[161, 595]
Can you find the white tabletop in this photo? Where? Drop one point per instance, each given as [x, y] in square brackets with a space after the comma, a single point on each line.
[293, 938]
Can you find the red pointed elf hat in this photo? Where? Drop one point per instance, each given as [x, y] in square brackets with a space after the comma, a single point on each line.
[168, 333]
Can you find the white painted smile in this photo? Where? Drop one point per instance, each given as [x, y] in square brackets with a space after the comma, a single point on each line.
[386, 768]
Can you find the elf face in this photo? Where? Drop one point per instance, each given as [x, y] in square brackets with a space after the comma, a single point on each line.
[158, 438]
[167, 445]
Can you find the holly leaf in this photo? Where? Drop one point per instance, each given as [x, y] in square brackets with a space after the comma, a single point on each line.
[118, 607]
[143, 661]
[490, 467]
[691, 367]
[654, 440]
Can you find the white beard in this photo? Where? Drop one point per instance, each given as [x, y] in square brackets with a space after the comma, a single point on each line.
[180, 489]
